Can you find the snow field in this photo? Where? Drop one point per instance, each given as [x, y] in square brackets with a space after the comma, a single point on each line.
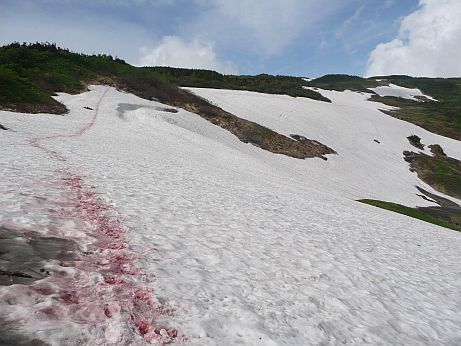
[249, 247]
[350, 124]
[399, 91]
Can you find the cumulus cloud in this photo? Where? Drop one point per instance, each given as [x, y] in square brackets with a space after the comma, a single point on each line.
[428, 43]
[174, 51]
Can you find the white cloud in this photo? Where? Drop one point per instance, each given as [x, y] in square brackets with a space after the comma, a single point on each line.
[267, 26]
[428, 43]
[174, 51]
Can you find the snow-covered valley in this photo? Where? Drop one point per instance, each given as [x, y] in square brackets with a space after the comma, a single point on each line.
[233, 244]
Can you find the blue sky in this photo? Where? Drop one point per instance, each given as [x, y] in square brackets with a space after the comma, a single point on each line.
[294, 37]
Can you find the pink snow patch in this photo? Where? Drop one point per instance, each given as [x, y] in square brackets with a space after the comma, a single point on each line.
[121, 292]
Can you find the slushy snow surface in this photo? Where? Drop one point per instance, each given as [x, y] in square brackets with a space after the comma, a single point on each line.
[402, 92]
[239, 246]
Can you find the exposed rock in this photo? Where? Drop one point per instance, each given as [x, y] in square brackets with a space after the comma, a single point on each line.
[3, 127]
[415, 141]
[437, 150]
[168, 110]
[443, 202]
[299, 138]
[408, 155]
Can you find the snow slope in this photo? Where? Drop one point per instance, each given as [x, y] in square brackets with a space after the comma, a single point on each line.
[350, 125]
[247, 247]
[399, 91]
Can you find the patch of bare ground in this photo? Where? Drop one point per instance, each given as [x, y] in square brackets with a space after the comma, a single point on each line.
[50, 107]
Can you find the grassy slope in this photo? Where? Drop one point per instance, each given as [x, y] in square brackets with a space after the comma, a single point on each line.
[292, 86]
[412, 212]
[30, 74]
[441, 172]
[16, 89]
[444, 116]
[18, 93]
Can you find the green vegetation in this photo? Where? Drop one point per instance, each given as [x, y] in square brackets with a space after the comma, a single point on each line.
[441, 172]
[437, 117]
[341, 82]
[17, 93]
[442, 116]
[263, 83]
[13, 88]
[31, 73]
[415, 141]
[412, 212]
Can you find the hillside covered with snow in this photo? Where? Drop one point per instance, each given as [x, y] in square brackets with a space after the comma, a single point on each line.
[141, 223]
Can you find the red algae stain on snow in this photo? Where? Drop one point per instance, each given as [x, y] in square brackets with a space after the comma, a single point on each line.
[115, 263]
[106, 283]
[35, 142]
[69, 297]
